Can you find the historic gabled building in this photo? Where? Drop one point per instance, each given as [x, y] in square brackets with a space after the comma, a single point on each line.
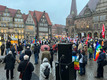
[38, 24]
[58, 30]
[11, 23]
[89, 20]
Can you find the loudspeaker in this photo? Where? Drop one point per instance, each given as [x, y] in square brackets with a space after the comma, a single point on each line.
[63, 73]
[65, 67]
[65, 52]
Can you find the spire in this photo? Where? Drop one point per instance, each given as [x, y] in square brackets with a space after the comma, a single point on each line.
[73, 11]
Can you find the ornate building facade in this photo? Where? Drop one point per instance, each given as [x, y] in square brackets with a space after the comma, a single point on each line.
[38, 24]
[89, 20]
[11, 23]
[14, 24]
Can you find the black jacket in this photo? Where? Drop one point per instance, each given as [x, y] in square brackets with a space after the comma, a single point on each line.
[28, 52]
[8, 44]
[20, 48]
[28, 72]
[9, 62]
[36, 49]
[13, 51]
[2, 47]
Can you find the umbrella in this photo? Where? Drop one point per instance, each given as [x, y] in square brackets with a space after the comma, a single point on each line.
[45, 46]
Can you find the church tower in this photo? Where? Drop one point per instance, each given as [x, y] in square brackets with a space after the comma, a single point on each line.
[73, 13]
[70, 18]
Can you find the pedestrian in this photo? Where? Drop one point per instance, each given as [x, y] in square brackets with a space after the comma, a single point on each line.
[52, 53]
[45, 70]
[36, 53]
[2, 49]
[46, 54]
[90, 51]
[8, 44]
[100, 70]
[79, 47]
[28, 52]
[26, 68]
[9, 65]
[13, 50]
[75, 60]
[82, 62]
[22, 55]
[19, 48]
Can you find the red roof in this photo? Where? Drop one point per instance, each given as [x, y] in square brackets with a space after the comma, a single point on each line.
[24, 17]
[32, 13]
[38, 15]
[2, 8]
[12, 11]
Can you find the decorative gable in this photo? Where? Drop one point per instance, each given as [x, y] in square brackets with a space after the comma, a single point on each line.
[29, 19]
[87, 11]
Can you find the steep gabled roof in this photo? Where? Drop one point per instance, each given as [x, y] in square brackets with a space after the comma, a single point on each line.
[12, 11]
[24, 17]
[38, 16]
[32, 14]
[2, 8]
[92, 4]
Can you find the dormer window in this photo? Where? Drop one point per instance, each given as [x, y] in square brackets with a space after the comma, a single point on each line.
[6, 10]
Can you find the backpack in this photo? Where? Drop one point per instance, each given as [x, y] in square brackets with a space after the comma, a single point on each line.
[47, 72]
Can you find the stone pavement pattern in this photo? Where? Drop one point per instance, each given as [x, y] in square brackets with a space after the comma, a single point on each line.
[90, 71]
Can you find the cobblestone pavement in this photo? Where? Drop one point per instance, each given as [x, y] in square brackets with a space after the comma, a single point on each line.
[90, 71]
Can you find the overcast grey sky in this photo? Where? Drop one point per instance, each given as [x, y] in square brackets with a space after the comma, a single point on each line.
[58, 10]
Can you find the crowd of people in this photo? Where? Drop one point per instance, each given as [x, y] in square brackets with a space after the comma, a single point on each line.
[22, 55]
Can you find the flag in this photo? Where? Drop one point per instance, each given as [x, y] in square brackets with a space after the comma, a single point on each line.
[103, 31]
[97, 51]
[76, 62]
[87, 40]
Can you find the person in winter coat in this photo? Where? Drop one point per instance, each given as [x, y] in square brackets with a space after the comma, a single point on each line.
[26, 68]
[28, 52]
[90, 51]
[42, 69]
[20, 48]
[13, 50]
[80, 47]
[46, 54]
[9, 65]
[82, 63]
[36, 53]
[22, 55]
[100, 70]
[2, 49]
[8, 44]
[52, 53]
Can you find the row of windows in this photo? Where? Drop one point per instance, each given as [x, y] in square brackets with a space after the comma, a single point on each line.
[19, 31]
[98, 26]
[43, 29]
[19, 15]
[18, 20]
[99, 18]
[11, 25]
[6, 14]
[6, 19]
[42, 24]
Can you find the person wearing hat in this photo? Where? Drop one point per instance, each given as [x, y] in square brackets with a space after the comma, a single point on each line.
[28, 52]
[100, 70]
[9, 61]
[45, 66]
